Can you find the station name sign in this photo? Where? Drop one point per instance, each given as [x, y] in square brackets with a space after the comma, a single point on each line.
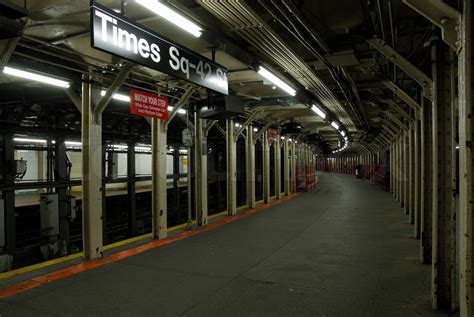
[115, 34]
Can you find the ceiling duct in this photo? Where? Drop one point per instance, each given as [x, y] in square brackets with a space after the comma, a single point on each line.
[244, 21]
[9, 27]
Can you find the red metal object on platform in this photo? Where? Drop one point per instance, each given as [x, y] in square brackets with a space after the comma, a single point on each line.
[306, 178]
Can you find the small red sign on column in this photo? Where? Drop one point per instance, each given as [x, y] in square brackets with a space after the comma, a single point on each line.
[148, 105]
[272, 134]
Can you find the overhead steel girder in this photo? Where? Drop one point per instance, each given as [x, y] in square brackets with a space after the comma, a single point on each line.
[75, 99]
[394, 106]
[382, 140]
[219, 128]
[442, 15]
[379, 144]
[385, 138]
[265, 128]
[421, 78]
[392, 127]
[114, 87]
[181, 102]
[246, 123]
[390, 132]
[209, 127]
[392, 117]
[403, 96]
[373, 147]
[6, 50]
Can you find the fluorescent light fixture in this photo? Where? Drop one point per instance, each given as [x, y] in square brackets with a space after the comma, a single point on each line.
[277, 81]
[172, 16]
[120, 146]
[335, 125]
[36, 77]
[457, 147]
[181, 110]
[117, 96]
[143, 148]
[28, 140]
[318, 111]
[73, 143]
[343, 133]
[183, 151]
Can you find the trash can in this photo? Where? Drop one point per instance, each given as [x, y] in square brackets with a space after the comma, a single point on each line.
[359, 171]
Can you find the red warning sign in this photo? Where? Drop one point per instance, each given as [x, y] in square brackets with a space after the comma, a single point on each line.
[148, 105]
[272, 134]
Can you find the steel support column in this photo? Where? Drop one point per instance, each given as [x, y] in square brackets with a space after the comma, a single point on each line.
[250, 165]
[399, 169]
[286, 167]
[405, 151]
[443, 286]
[92, 211]
[158, 176]
[466, 164]
[392, 168]
[231, 168]
[411, 173]
[131, 190]
[277, 158]
[60, 169]
[293, 167]
[417, 171]
[266, 168]
[7, 177]
[426, 187]
[200, 171]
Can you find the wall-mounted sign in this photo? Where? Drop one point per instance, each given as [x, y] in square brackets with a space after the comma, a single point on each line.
[115, 34]
[272, 134]
[148, 105]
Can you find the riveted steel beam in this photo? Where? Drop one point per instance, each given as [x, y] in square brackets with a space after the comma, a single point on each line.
[442, 15]
[403, 96]
[466, 168]
[397, 121]
[443, 283]
[421, 78]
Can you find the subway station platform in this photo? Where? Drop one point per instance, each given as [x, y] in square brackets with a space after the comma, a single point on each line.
[345, 249]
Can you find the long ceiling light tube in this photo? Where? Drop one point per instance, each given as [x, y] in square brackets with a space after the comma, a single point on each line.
[277, 81]
[35, 77]
[117, 96]
[318, 111]
[172, 16]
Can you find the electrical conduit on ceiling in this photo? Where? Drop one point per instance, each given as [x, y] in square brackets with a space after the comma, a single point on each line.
[244, 21]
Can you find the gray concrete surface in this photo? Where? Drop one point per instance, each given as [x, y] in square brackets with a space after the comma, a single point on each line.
[344, 250]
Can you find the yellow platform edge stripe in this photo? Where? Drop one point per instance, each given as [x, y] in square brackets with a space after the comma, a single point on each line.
[70, 257]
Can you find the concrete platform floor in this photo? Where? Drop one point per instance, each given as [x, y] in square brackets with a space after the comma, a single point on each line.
[344, 250]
